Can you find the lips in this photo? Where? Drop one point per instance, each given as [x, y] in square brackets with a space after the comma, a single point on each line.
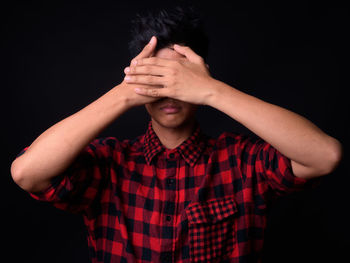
[170, 108]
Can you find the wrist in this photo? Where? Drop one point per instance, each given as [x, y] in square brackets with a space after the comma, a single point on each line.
[217, 89]
[123, 99]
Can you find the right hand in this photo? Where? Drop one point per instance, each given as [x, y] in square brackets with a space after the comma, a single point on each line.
[128, 89]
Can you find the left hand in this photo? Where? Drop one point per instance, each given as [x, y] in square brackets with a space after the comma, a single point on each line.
[186, 79]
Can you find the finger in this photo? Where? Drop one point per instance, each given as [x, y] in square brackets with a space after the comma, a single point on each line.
[153, 61]
[147, 70]
[188, 53]
[144, 79]
[148, 50]
[152, 92]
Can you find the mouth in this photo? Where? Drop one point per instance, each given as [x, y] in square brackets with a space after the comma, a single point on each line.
[170, 108]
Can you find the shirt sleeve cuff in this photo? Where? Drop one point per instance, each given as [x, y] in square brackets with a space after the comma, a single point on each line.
[298, 183]
[49, 194]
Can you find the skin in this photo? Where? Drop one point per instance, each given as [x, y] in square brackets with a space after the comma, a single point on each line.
[174, 127]
[177, 79]
[56, 148]
[312, 152]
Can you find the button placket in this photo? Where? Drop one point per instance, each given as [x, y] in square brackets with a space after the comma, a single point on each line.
[169, 205]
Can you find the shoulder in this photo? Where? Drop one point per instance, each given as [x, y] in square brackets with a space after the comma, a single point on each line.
[226, 139]
[231, 143]
[110, 145]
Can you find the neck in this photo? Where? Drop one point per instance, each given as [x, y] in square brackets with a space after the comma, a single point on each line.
[173, 137]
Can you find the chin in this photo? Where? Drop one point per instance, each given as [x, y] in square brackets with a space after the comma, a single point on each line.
[179, 118]
[171, 122]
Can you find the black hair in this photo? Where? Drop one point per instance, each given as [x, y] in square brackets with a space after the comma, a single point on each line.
[177, 25]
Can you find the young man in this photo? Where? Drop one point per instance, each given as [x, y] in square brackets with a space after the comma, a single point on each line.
[174, 194]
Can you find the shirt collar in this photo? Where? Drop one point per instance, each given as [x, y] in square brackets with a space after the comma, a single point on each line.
[191, 149]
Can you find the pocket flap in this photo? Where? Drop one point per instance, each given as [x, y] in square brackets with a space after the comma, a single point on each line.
[211, 211]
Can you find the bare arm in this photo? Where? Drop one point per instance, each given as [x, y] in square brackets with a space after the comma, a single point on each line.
[312, 152]
[56, 148]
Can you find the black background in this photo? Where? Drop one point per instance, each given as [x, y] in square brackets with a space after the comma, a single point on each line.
[57, 57]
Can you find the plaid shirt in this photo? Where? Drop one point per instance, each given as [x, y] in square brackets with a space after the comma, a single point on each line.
[204, 201]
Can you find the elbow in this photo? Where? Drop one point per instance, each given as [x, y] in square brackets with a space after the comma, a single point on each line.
[19, 177]
[16, 173]
[333, 156]
[25, 178]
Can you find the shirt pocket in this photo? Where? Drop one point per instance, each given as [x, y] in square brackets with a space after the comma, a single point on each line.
[212, 233]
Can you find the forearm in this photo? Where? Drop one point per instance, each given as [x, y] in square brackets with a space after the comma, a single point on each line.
[56, 148]
[312, 150]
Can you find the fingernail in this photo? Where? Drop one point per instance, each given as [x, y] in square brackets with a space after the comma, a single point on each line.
[127, 78]
[134, 63]
[127, 70]
[137, 89]
[152, 40]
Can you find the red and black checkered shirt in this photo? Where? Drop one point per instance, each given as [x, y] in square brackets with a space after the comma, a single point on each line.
[204, 201]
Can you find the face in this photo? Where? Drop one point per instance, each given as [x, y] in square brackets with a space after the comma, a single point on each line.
[167, 112]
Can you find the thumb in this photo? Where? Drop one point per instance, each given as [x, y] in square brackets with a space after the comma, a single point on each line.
[187, 52]
[148, 50]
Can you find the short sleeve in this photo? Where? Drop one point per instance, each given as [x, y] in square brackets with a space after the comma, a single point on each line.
[81, 184]
[268, 170]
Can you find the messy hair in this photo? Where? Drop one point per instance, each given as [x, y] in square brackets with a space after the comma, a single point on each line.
[171, 26]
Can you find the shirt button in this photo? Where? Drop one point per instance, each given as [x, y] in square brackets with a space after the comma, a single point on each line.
[171, 181]
[168, 218]
[171, 155]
